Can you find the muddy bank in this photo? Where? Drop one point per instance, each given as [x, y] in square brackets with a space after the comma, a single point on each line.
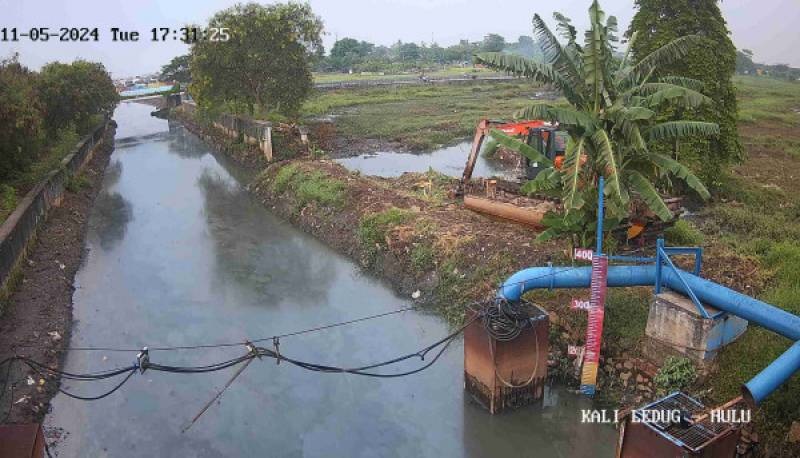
[406, 230]
[38, 315]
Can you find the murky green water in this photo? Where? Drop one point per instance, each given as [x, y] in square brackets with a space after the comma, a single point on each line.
[180, 254]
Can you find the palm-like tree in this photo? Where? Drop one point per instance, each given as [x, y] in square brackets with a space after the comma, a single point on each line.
[615, 105]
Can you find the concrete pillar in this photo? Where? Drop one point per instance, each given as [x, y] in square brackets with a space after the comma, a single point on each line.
[676, 328]
[266, 140]
[303, 135]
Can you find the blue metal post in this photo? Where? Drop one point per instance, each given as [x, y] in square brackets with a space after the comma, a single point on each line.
[659, 249]
[600, 210]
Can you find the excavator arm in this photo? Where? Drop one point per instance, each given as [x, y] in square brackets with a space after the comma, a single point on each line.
[483, 128]
[477, 141]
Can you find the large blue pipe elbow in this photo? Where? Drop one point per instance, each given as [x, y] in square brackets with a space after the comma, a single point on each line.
[758, 312]
[572, 277]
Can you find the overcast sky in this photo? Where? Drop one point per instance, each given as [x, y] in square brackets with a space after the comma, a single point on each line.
[771, 28]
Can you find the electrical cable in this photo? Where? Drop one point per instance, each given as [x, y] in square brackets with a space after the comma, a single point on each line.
[362, 370]
[106, 394]
[289, 334]
[78, 377]
[144, 364]
[91, 398]
[229, 344]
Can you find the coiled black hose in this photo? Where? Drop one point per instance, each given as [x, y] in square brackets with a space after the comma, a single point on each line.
[505, 320]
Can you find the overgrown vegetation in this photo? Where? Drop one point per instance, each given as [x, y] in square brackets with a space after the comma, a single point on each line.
[76, 183]
[756, 214]
[710, 60]
[308, 187]
[625, 317]
[373, 227]
[682, 233]
[457, 283]
[42, 116]
[676, 374]
[417, 116]
[616, 113]
[8, 200]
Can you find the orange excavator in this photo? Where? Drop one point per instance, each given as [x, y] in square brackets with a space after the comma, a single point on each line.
[542, 135]
[500, 197]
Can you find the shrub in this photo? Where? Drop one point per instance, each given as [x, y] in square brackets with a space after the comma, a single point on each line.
[319, 188]
[309, 186]
[20, 118]
[74, 93]
[76, 182]
[8, 201]
[676, 374]
[683, 234]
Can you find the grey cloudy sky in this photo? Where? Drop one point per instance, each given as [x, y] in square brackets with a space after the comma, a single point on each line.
[768, 27]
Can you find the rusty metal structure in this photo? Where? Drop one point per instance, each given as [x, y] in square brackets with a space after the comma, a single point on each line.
[22, 441]
[686, 438]
[507, 374]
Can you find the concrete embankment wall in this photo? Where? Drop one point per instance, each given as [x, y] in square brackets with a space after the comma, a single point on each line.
[19, 229]
[253, 132]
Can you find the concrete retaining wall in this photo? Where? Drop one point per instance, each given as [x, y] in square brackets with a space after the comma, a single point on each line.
[19, 229]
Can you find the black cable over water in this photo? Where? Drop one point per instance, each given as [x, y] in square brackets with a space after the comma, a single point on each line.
[143, 364]
[556, 271]
[230, 344]
[444, 342]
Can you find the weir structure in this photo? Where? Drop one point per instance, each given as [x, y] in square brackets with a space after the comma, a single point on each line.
[662, 272]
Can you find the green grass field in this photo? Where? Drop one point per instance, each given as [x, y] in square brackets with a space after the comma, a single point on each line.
[420, 117]
[757, 215]
[449, 72]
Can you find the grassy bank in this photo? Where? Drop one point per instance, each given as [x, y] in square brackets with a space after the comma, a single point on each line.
[418, 117]
[756, 215]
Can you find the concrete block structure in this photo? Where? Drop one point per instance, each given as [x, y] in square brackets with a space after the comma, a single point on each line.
[675, 327]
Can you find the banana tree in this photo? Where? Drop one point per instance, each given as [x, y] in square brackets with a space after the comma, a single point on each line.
[612, 113]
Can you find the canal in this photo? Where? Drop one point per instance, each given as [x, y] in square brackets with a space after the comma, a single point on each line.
[180, 254]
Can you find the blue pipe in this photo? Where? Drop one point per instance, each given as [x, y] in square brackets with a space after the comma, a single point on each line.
[708, 292]
[773, 376]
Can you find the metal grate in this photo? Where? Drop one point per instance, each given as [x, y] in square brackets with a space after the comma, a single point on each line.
[693, 437]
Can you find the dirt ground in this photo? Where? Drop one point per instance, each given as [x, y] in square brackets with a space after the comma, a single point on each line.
[38, 316]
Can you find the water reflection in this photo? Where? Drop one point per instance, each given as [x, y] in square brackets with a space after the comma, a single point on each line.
[271, 261]
[548, 428]
[113, 173]
[449, 160]
[112, 213]
[184, 143]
